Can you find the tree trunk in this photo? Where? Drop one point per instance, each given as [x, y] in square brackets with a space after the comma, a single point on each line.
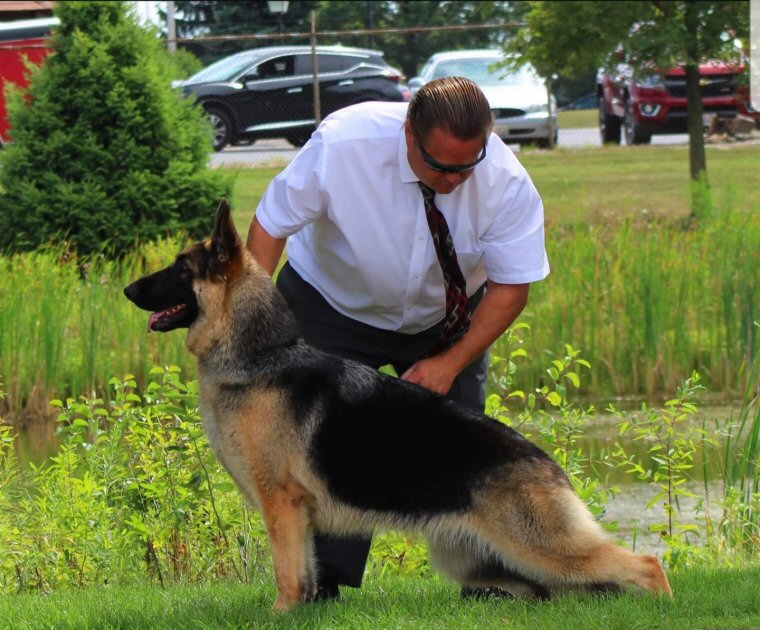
[549, 109]
[697, 159]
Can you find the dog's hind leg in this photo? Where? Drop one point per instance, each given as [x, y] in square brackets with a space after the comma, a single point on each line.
[287, 520]
[546, 533]
[473, 565]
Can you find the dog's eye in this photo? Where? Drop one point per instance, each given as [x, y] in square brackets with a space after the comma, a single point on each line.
[182, 266]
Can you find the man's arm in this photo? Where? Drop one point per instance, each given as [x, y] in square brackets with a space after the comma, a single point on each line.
[500, 306]
[266, 249]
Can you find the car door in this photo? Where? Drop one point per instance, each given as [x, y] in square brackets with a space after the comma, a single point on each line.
[269, 89]
[342, 80]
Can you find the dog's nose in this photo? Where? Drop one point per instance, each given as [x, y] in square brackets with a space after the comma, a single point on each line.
[130, 292]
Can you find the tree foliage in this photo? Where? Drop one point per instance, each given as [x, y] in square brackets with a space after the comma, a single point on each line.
[575, 37]
[404, 50]
[104, 152]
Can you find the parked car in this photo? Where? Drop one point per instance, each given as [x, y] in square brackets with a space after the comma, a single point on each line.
[269, 92]
[643, 105]
[518, 97]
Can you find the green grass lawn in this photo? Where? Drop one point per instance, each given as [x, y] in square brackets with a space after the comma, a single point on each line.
[578, 119]
[703, 599]
[596, 185]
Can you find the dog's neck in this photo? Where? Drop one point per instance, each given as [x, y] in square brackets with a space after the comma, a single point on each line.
[253, 320]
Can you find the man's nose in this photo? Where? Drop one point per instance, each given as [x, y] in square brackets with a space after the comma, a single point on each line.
[455, 178]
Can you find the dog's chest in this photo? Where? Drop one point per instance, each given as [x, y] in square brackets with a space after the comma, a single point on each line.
[245, 432]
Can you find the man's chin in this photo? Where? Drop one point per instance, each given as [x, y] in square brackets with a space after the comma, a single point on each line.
[445, 189]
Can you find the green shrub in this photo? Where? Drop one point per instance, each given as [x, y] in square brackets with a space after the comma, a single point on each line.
[105, 153]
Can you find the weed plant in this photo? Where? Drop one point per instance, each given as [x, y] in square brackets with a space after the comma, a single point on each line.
[650, 305]
[65, 327]
[135, 490]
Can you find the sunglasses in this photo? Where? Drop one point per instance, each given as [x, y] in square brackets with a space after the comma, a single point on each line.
[449, 168]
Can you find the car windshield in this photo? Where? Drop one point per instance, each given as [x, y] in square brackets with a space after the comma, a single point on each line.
[224, 69]
[482, 71]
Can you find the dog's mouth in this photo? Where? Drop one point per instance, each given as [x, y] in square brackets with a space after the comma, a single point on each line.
[168, 319]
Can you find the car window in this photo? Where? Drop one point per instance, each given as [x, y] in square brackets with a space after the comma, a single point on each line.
[277, 68]
[304, 64]
[481, 71]
[223, 70]
[337, 63]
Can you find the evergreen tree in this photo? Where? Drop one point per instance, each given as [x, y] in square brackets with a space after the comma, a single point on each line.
[104, 152]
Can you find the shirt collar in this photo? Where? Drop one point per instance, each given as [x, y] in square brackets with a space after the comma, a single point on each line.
[407, 174]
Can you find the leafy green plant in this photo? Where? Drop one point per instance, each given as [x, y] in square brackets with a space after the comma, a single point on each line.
[105, 153]
[673, 441]
[133, 490]
[558, 423]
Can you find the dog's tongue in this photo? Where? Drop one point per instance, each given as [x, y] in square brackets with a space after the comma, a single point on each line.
[154, 317]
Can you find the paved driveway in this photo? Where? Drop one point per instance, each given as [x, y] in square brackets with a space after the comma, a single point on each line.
[278, 152]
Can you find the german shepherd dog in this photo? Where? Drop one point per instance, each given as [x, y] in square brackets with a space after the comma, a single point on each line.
[319, 443]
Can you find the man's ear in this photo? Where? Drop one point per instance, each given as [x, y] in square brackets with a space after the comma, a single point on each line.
[225, 239]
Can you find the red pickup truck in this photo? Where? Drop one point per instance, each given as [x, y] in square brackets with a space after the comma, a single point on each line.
[656, 104]
[19, 40]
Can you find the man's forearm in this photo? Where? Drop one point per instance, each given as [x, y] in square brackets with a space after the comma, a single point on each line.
[266, 249]
[501, 305]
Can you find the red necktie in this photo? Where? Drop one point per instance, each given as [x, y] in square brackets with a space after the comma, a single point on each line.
[457, 320]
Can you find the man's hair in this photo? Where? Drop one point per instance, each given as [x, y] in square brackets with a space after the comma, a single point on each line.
[453, 104]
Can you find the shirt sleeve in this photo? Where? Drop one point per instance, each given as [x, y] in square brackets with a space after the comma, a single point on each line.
[295, 197]
[514, 250]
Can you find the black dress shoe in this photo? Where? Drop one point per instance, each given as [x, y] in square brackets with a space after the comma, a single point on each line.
[484, 592]
[325, 593]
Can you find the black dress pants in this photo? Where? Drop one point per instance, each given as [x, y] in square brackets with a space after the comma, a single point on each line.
[342, 560]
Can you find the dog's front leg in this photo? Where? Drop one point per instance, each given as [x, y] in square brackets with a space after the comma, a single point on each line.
[287, 520]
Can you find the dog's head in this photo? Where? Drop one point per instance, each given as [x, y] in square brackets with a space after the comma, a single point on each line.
[171, 294]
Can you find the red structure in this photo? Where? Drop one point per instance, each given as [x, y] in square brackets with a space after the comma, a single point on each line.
[20, 40]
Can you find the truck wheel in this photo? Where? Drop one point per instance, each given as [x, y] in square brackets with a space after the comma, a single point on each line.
[222, 126]
[633, 132]
[609, 125]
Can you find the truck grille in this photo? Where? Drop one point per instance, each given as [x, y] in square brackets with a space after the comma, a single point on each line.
[712, 85]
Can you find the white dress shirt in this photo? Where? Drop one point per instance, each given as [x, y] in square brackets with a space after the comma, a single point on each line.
[354, 216]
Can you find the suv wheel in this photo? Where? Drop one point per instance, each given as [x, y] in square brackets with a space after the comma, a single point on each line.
[633, 132]
[298, 139]
[543, 143]
[222, 127]
[609, 125]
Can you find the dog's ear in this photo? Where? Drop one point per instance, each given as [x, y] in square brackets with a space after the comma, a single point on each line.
[225, 240]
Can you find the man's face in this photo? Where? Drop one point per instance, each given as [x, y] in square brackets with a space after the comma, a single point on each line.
[441, 150]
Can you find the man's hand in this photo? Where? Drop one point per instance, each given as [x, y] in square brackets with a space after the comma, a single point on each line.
[435, 373]
[500, 306]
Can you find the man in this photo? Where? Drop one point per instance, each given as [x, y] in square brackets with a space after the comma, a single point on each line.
[414, 235]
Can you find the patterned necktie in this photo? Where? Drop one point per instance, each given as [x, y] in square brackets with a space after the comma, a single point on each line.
[457, 320]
